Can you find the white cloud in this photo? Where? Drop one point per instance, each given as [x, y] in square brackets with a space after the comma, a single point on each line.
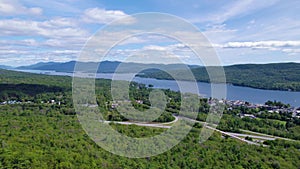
[133, 40]
[154, 47]
[9, 52]
[219, 33]
[67, 43]
[57, 39]
[13, 7]
[146, 38]
[50, 29]
[16, 56]
[289, 47]
[292, 51]
[233, 27]
[175, 53]
[73, 52]
[285, 28]
[24, 42]
[62, 22]
[262, 44]
[235, 10]
[102, 16]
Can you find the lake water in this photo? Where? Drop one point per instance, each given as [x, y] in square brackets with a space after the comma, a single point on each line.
[251, 95]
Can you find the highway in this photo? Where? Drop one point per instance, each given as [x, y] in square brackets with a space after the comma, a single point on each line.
[238, 136]
[253, 136]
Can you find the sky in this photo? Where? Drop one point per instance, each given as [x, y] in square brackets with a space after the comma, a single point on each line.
[246, 31]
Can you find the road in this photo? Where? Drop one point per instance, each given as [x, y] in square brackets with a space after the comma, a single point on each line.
[237, 136]
[266, 135]
[159, 125]
[253, 136]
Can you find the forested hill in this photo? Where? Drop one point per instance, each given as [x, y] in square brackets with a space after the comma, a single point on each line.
[40, 129]
[104, 67]
[5, 67]
[276, 76]
[14, 77]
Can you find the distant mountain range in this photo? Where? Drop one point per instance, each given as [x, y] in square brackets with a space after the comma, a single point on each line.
[277, 76]
[5, 67]
[104, 67]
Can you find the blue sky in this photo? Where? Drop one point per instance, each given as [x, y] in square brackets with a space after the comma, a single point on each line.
[247, 31]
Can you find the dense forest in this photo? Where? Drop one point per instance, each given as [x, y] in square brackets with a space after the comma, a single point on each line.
[276, 76]
[39, 129]
[42, 137]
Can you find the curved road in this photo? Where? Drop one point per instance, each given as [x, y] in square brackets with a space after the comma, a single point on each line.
[237, 136]
[159, 125]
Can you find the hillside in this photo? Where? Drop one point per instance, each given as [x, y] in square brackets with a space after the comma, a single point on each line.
[104, 67]
[276, 76]
[5, 67]
[36, 133]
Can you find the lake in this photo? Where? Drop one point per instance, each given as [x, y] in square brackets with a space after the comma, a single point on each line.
[258, 96]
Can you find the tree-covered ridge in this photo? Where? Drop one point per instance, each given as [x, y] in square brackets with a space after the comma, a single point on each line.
[43, 90]
[13, 77]
[42, 137]
[103, 67]
[276, 76]
[46, 134]
[26, 87]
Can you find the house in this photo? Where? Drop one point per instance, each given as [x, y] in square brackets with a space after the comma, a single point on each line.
[12, 102]
[247, 115]
[139, 101]
[114, 105]
[3, 103]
